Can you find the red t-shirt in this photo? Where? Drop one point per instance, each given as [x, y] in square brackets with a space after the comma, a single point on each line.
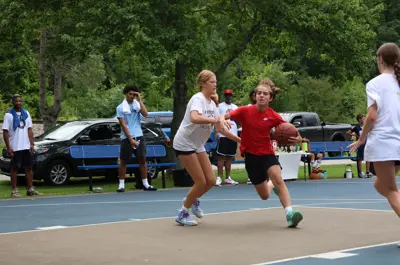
[256, 127]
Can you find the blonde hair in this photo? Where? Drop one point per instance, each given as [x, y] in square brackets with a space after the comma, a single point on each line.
[215, 98]
[204, 76]
[269, 84]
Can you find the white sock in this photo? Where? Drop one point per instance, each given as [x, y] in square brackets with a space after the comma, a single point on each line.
[312, 163]
[121, 184]
[288, 210]
[184, 209]
[318, 163]
[145, 183]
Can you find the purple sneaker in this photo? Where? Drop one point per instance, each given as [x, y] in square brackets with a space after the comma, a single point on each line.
[185, 219]
[196, 210]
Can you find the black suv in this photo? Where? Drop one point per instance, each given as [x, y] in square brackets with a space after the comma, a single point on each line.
[54, 164]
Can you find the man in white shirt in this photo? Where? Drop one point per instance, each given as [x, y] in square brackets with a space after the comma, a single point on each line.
[226, 148]
[18, 137]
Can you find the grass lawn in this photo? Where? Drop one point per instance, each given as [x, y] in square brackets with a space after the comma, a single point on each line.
[81, 185]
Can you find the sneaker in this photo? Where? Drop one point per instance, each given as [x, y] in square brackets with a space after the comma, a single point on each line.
[15, 193]
[32, 192]
[229, 181]
[120, 190]
[362, 175]
[370, 175]
[218, 182]
[185, 219]
[294, 218]
[249, 182]
[150, 188]
[196, 210]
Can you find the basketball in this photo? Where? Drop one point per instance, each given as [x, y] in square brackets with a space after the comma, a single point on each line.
[284, 131]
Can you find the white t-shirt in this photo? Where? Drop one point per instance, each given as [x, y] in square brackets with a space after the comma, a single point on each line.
[225, 108]
[19, 139]
[191, 136]
[384, 139]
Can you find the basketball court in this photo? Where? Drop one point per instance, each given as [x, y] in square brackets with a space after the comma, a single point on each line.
[345, 222]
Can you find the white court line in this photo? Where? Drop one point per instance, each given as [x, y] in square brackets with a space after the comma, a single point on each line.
[135, 220]
[310, 256]
[312, 205]
[162, 201]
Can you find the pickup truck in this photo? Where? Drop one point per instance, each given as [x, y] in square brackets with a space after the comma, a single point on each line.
[310, 126]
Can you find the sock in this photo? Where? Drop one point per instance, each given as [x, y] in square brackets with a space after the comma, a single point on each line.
[312, 163]
[288, 210]
[318, 163]
[184, 209]
[121, 184]
[145, 183]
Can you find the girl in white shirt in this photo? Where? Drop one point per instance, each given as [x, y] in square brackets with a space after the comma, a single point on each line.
[200, 117]
[382, 124]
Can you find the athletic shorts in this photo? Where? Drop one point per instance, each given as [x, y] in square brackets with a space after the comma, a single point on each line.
[180, 152]
[360, 152]
[226, 147]
[21, 158]
[127, 150]
[257, 166]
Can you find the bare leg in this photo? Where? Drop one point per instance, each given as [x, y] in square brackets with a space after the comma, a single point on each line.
[13, 174]
[274, 173]
[192, 165]
[264, 189]
[228, 165]
[29, 177]
[207, 171]
[385, 183]
[220, 165]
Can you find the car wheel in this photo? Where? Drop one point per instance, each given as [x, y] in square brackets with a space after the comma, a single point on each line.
[58, 173]
[152, 172]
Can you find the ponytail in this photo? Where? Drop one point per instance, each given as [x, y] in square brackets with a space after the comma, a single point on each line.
[396, 68]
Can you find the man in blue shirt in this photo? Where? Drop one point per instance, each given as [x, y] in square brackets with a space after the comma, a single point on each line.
[132, 141]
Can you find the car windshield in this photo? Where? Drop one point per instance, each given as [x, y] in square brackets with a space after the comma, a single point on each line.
[64, 132]
[285, 116]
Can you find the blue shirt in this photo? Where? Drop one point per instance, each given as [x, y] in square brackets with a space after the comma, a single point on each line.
[132, 120]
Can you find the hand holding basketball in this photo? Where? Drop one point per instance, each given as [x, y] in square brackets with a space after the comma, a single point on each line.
[286, 133]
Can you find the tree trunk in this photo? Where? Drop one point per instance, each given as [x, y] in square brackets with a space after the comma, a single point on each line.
[42, 72]
[180, 96]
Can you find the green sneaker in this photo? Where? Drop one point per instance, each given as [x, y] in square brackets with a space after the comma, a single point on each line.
[275, 191]
[294, 218]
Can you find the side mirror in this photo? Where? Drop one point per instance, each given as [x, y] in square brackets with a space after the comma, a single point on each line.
[297, 124]
[84, 138]
[323, 124]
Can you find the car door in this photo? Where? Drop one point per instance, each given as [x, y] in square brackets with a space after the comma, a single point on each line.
[299, 122]
[314, 130]
[100, 143]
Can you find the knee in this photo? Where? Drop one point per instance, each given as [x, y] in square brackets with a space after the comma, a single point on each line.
[384, 191]
[211, 182]
[264, 197]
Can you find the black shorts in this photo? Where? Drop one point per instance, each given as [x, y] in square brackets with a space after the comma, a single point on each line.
[22, 158]
[126, 149]
[360, 152]
[226, 147]
[257, 166]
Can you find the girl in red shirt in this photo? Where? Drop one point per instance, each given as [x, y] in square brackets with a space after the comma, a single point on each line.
[260, 160]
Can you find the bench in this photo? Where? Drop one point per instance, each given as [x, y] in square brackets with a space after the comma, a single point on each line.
[85, 152]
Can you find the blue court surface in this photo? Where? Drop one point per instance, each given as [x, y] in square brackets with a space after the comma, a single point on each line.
[328, 199]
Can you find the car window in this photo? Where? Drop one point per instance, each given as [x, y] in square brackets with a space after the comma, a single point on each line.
[64, 132]
[311, 121]
[100, 132]
[149, 132]
[298, 121]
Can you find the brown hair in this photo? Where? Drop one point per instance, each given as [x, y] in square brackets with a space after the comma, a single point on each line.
[204, 76]
[390, 54]
[268, 83]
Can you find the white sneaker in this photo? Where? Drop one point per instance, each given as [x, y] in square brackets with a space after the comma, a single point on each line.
[249, 182]
[230, 181]
[218, 182]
